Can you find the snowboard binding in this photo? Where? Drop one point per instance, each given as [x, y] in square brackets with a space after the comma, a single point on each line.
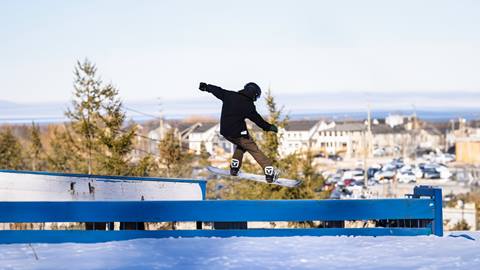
[271, 174]
[234, 167]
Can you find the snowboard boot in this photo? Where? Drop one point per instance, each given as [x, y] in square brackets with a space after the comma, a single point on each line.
[271, 174]
[234, 167]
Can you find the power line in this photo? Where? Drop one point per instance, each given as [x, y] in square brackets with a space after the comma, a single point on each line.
[142, 113]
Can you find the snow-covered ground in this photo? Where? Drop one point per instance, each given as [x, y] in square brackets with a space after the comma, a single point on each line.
[423, 252]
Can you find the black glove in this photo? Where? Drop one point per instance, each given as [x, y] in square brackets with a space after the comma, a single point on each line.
[273, 128]
[203, 86]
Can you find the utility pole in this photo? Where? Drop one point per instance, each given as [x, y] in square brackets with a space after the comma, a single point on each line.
[160, 117]
[366, 147]
[414, 129]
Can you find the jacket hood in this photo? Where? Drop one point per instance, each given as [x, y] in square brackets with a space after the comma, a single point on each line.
[250, 93]
[251, 90]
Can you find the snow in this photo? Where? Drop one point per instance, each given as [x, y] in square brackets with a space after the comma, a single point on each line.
[420, 252]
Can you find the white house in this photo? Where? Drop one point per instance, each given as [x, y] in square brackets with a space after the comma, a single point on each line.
[298, 136]
[350, 138]
[180, 129]
[209, 134]
[156, 135]
[340, 138]
[394, 120]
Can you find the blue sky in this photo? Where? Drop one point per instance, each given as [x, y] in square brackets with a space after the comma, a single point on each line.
[152, 49]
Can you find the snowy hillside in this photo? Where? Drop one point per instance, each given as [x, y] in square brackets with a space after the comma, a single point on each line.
[423, 252]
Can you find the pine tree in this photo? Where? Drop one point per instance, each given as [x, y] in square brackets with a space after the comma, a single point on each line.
[97, 129]
[270, 140]
[36, 150]
[84, 112]
[115, 142]
[203, 156]
[62, 156]
[173, 161]
[269, 145]
[10, 151]
[145, 166]
[304, 170]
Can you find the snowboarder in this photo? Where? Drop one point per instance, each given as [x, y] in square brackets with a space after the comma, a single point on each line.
[238, 106]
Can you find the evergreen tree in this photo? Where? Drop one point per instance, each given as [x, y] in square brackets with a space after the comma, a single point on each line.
[203, 156]
[173, 161]
[36, 150]
[303, 169]
[97, 132]
[115, 142]
[269, 144]
[62, 156]
[10, 151]
[145, 167]
[84, 112]
[270, 140]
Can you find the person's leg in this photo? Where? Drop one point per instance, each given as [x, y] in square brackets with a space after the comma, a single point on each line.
[249, 145]
[236, 162]
[237, 158]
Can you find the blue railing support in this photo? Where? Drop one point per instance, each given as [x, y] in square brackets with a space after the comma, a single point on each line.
[436, 195]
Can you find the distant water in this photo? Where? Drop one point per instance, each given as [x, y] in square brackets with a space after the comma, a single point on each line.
[334, 105]
[433, 116]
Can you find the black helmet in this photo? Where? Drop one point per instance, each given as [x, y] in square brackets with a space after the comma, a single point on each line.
[252, 90]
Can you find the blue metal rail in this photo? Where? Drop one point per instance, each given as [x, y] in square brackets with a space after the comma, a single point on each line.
[418, 215]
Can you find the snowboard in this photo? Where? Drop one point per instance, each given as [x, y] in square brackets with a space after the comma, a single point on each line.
[255, 177]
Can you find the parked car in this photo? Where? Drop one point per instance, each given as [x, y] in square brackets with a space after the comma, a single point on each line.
[371, 172]
[444, 171]
[335, 157]
[340, 192]
[407, 177]
[384, 175]
[349, 182]
[439, 168]
[356, 174]
[333, 179]
[372, 182]
[398, 163]
[379, 152]
[431, 174]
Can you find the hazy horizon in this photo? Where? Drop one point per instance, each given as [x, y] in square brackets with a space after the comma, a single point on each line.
[436, 106]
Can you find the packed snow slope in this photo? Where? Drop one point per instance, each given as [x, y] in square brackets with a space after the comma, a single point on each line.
[422, 252]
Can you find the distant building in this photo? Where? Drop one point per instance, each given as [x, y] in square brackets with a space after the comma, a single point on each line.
[209, 134]
[467, 142]
[181, 130]
[390, 138]
[156, 135]
[467, 149]
[430, 137]
[298, 136]
[394, 120]
[349, 139]
[340, 138]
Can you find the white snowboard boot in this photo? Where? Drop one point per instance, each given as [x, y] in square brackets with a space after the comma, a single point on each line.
[271, 174]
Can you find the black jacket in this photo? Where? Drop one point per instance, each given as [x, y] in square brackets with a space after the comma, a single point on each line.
[236, 107]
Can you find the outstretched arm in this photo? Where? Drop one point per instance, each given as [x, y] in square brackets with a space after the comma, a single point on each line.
[215, 90]
[259, 121]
